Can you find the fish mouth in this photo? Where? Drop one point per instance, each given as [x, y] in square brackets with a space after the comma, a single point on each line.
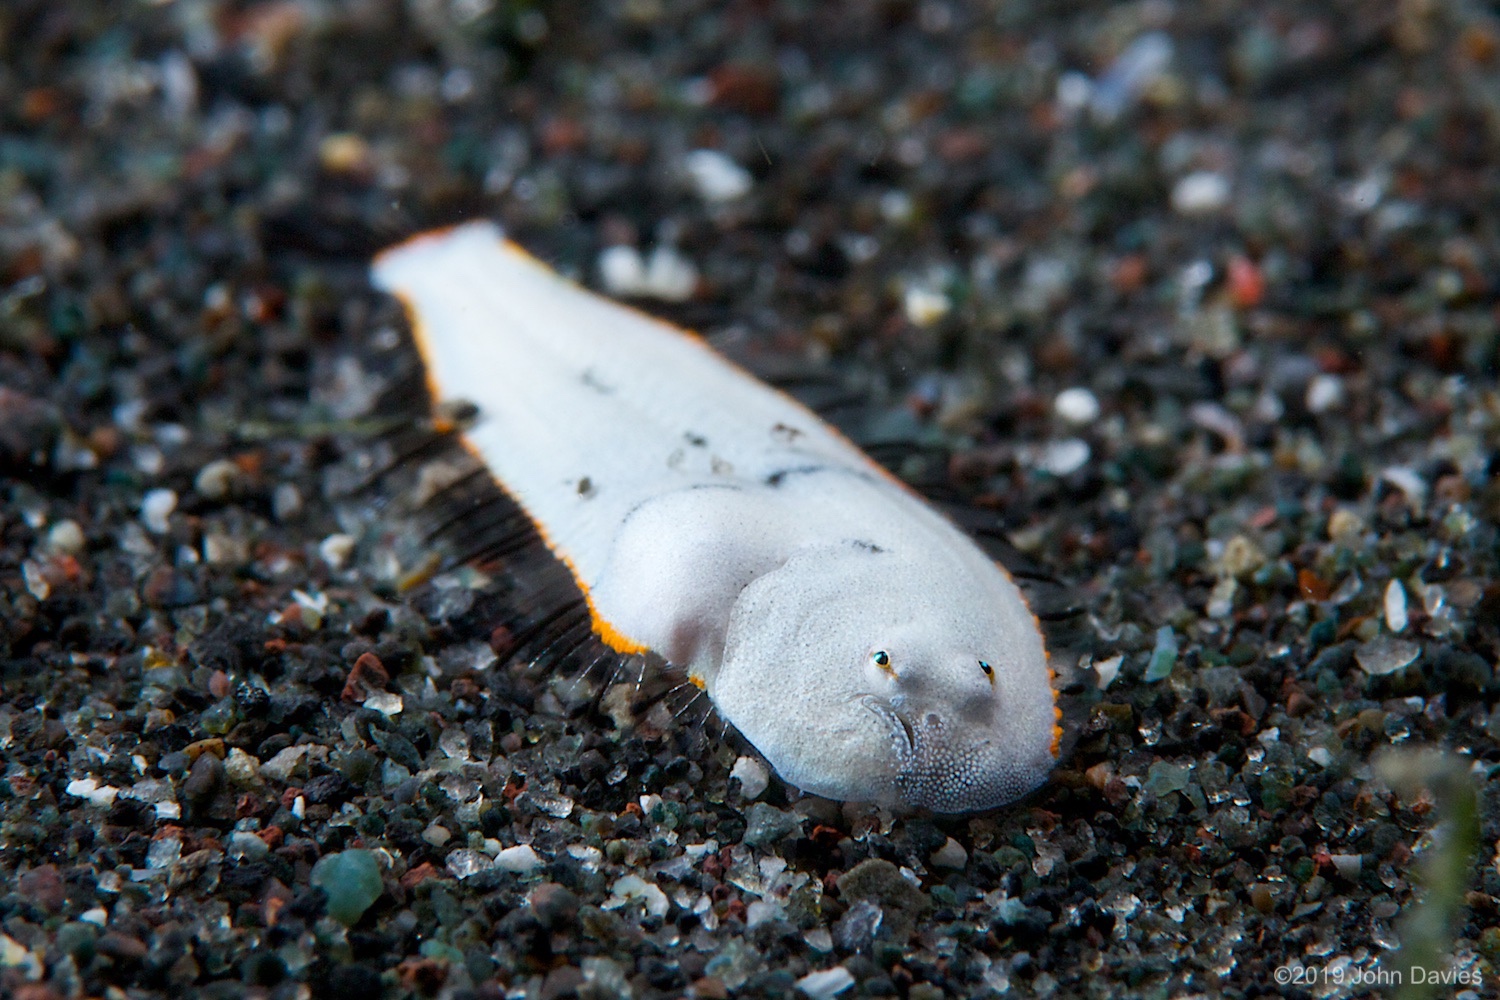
[899, 729]
[945, 771]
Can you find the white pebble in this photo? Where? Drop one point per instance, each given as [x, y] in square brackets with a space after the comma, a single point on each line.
[1200, 193]
[156, 507]
[241, 768]
[465, 863]
[897, 208]
[950, 855]
[670, 276]
[179, 85]
[220, 549]
[93, 792]
[315, 601]
[623, 270]
[386, 703]
[65, 537]
[1107, 670]
[15, 955]
[925, 306]
[336, 550]
[148, 459]
[280, 767]
[1213, 417]
[1324, 393]
[1347, 865]
[666, 275]
[632, 889]
[818, 939]
[1044, 284]
[716, 177]
[590, 857]
[127, 415]
[286, 502]
[98, 916]
[1077, 406]
[518, 860]
[1139, 65]
[1365, 193]
[763, 911]
[1268, 407]
[1395, 606]
[1385, 655]
[1221, 598]
[1409, 483]
[216, 479]
[1073, 90]
[752, 776]
[133, 540]
[825, 984]
[1065, 457]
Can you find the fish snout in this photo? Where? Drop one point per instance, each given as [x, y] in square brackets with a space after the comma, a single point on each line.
[956, 767]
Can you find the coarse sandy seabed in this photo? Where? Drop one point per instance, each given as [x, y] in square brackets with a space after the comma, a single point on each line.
[1201, 296]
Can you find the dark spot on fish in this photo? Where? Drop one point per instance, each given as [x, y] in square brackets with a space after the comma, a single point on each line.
[598, 385]
[781, 475]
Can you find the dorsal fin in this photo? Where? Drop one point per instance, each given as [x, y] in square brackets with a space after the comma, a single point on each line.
[410, 472]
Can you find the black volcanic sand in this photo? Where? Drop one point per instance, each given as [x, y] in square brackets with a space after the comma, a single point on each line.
[1266, 262]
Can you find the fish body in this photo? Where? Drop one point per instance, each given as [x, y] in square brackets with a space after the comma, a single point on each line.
[859, 640]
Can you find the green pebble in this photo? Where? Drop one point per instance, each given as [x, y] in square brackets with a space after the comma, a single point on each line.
[352, 881]
[1289, 510]
[1322, 633]
[441, 952]
[1164, 656]
[1242, 653]
[766, 825]
[358, 766]
[1163, 778]
[1278, 573]
[77, 939]
[219, 718]
[1489, 944]
[887, 953]
[1275, 792]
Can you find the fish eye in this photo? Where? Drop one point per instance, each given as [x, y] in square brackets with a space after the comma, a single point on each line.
[989, 671]
[881, 658]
